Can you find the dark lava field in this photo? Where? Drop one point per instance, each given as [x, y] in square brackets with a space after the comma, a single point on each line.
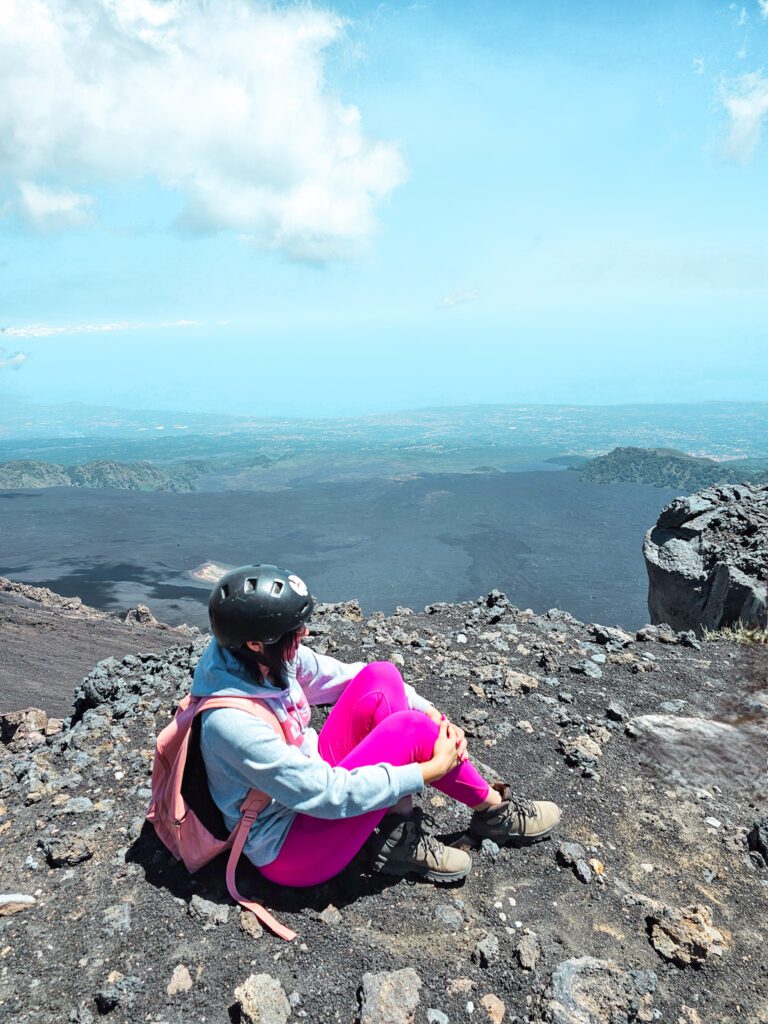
[546, 538]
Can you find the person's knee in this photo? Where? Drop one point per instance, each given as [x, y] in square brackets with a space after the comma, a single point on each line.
[385, 673]
[417, 730]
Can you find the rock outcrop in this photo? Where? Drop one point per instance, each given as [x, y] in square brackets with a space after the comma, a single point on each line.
[646, 871]
[707, 559]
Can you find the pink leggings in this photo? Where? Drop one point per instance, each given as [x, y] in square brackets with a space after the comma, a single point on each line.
[369, 724]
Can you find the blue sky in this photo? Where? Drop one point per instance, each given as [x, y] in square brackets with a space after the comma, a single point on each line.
[363, 207]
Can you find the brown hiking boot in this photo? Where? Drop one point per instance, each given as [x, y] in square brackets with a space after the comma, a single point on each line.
[402, 847]
[515, 821]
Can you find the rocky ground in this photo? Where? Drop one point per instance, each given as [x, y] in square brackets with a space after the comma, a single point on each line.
[649, 904]
[49, 642]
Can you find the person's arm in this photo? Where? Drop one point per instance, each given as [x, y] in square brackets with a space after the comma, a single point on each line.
[323, 678]
[262, 760]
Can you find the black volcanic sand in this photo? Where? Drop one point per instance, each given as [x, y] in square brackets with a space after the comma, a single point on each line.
[546, 538]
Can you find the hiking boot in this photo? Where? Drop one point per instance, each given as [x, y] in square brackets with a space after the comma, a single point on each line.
[402, 847]
[515, 821]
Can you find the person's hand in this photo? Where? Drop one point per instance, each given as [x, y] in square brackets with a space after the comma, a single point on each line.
[457, 731]
[445, 755]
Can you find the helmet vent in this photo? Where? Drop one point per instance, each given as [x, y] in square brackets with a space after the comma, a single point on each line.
[277, 588]
[249, 585]
[225, 590]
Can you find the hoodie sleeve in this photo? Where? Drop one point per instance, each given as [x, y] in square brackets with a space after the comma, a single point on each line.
[323, 679]
[253, 754]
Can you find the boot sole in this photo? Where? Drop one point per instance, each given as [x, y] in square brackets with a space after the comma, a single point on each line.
[516, 840]
[440, 877]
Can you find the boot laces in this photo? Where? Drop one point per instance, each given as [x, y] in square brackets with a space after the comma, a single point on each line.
[524, 809]
[418, 841]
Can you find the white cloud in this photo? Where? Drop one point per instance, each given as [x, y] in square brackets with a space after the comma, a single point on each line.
[763, 5]
[698, 63]
[457, 298]
[12, 361]
[746, 100]
[226, 103]
[49, 209]
[46, 330]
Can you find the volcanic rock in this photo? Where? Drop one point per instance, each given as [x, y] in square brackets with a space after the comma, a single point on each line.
[262, 1000]
[389, 997]
[585, 990]
[685, 935]
[702, 753]
[707, 559]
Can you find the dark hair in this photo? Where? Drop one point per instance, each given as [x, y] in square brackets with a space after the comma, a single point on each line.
[273, 657]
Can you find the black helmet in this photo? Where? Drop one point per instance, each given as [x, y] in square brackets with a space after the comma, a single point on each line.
[258, 602]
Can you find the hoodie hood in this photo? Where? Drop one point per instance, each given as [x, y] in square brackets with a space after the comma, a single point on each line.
[220, 672]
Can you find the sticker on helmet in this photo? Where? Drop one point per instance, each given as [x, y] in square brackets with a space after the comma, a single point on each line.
[298, 585]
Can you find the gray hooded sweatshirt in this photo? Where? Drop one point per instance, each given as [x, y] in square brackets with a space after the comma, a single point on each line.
[242, 751]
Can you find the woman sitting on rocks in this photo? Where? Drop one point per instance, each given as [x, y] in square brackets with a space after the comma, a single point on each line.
[381, 744]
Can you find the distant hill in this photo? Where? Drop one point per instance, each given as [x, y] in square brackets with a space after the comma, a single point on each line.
[666, 467]
[126, 476]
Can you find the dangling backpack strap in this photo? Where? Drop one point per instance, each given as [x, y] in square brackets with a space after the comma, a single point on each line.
[254, 802]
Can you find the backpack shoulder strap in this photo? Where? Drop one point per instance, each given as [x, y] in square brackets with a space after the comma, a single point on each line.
[251, 705]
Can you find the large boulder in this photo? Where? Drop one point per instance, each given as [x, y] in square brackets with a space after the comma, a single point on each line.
[707, 559]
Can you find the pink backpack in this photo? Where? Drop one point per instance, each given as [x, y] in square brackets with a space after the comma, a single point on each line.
[182, 810]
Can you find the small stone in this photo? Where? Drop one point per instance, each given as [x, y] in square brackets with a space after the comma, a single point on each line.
[209, 913]
[181, 981]
[757, 837]
[437, 1016]
[460, 986]
[569, 853]
[486, 952]
[520, 682]
[78, 805]
[17, 725]
[66, 851]
[14, 902]
[119, 991]
[494, 1008]
[53, 726]
[525, 726]
[587, 668]
[390, 997]
[583, 871]
[250, 924]
[528, 950]
[490, 849]
[117, 918]
[451, 917]
[714, 822]
[330, 915]
[262, 1000]
[616, 711]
